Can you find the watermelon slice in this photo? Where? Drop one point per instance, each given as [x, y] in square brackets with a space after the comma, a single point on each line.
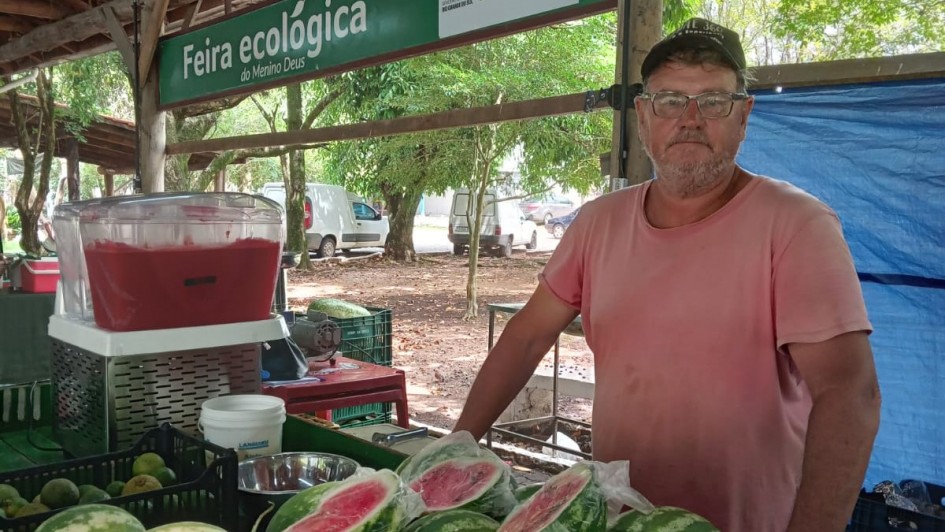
[455, 472]
[571, 500]
[368, 502]
[662, 518]
[454, 521]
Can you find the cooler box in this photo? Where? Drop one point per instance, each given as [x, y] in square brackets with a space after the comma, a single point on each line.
[165, 261]
[36, 276]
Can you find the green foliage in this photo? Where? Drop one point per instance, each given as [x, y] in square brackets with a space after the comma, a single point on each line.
[13, 219]
[93, 86]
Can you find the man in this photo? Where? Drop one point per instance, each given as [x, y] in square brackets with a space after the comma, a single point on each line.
[733, 368]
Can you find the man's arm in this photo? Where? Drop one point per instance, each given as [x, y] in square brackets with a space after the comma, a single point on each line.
[512, 361]
[843, 423]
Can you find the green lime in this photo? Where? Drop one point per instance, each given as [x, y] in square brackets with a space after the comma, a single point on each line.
[93, 495]
[114, 488]
[85, 488]
[166, 476]
[147, 464]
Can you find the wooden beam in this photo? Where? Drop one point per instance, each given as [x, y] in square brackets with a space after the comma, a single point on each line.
[913, 66]
[189, 13]
[35, 9]
[74, 28]
[153, 17]
[14, 25]
[553, 106]
[76, 5]
[120, 38]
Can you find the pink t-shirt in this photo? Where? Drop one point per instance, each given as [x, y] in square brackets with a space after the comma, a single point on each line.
[687, 326]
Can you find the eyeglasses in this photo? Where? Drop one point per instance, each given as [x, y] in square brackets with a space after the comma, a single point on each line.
[668, 104]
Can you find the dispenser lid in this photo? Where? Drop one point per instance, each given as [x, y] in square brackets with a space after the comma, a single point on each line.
[187, 207]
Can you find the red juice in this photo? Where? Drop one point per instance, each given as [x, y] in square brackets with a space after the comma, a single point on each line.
[135, 288]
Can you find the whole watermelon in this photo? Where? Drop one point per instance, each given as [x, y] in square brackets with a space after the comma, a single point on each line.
[336, 308]
[663, 518]
[186, 526]
[454, 521]
[92, 518]
[571, 500]
[366, 503]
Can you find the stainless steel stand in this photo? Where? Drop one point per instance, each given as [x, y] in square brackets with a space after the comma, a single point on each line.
[507, 429]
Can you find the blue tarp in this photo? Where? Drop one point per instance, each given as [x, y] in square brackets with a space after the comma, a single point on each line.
[876, 154]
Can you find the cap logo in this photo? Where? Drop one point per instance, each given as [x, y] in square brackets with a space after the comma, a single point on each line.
[703, 28]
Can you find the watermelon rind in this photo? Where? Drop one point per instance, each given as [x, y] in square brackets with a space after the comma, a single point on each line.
[389, 514]
[454, 521]
[522, 493]
[92, 518]
[585, 509]
[187, 526]
[663, 518]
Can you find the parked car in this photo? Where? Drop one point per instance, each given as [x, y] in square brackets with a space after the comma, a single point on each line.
[557, 226]
[335, 218]
[545, 208]
[503, 225]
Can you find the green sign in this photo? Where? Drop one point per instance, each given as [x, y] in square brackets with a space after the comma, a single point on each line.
[300, 39]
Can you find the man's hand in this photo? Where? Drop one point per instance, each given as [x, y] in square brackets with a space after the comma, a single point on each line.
[843, 422]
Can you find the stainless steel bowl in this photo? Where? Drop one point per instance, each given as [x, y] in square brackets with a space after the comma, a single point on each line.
[292, 472]
[276, 478]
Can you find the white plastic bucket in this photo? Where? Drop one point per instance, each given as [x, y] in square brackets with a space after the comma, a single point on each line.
[250, 424]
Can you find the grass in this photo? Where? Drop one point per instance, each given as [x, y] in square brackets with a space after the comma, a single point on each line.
[11, 247]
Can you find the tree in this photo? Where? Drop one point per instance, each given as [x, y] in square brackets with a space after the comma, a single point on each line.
[304, 104]
[31, 140]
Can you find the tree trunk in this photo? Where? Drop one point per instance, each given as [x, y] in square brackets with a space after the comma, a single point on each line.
[295, 181]
[402, 207]
[474, 210]
[29, 202]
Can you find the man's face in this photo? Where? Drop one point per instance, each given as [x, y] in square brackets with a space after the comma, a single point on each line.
[691, 153]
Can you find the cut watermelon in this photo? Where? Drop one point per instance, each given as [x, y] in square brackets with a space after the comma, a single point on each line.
[454, 521]
[368, 502]
[455, 472]
[571, 500]
[664, 518]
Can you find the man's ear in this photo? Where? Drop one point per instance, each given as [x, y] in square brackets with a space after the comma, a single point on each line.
[746, 110]
[639, 104]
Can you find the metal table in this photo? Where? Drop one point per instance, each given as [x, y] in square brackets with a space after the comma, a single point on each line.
[575, 328]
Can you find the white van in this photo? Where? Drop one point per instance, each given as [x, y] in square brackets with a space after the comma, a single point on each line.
[335, 218]
[503, 225]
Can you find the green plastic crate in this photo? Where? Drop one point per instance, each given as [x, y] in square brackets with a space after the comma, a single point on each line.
[362, 415]
[368, 339]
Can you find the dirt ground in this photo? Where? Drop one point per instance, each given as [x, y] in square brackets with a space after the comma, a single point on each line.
[439, 351]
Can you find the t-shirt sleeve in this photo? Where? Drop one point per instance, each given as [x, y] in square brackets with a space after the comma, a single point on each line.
[817, 294]
[563, 276]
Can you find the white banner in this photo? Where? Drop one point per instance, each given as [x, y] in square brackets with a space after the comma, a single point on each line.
[461, 16]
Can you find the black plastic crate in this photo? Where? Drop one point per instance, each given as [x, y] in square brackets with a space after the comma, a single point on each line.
[206, 490]
[872, 514]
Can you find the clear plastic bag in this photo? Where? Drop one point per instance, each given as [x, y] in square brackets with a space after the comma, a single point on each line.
[448, 472]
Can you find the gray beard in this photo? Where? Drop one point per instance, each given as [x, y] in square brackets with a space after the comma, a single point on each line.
[689, 180]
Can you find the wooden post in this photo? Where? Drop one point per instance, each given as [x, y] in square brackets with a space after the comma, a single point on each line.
[645, 19]
[152, 129]
[153, 136]
[72, 167]
[109, 178]
[219, 183]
